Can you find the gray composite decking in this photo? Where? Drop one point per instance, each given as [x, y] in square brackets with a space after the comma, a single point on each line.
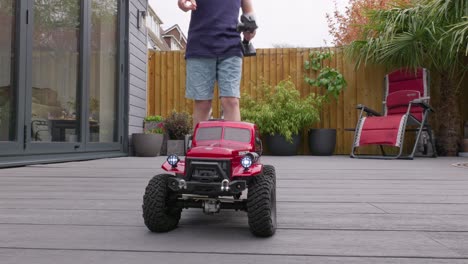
[330, 210]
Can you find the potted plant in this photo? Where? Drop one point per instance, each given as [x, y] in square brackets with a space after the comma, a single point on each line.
[281, 114]
[148, 143]
[322, 141]
[178, 126]
[151, 122]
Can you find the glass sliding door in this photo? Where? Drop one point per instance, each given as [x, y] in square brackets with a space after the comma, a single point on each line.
[103, 94]
[55, 59]
[61, 77]
[8, 118]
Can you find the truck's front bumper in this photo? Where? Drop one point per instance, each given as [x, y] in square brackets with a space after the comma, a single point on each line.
[224, 188]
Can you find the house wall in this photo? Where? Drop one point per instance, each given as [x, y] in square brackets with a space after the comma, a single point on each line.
[137, 68]
[168, 41]
[175, 33]
[174, 39]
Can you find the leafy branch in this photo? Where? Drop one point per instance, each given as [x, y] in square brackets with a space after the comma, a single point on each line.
[328, 78]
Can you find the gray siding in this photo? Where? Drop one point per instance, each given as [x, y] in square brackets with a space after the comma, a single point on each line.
[137, 60]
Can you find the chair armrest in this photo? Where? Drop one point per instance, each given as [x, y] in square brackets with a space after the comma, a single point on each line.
[422, 102]
[368, 110]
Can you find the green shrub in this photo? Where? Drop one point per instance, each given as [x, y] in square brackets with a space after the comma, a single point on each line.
[153, 125]
[328, 78]
[157, 129]
[178, 125]
[281, 110]
[154, 118]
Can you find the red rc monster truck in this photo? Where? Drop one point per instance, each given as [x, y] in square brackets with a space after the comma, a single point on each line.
[222, 162]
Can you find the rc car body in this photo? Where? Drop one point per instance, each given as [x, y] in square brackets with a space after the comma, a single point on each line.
[222, 161]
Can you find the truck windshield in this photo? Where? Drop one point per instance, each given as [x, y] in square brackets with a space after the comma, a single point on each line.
[237, 134]
[230, 133]
[209, 133]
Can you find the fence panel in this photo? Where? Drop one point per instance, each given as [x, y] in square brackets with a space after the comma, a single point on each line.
[166, 91]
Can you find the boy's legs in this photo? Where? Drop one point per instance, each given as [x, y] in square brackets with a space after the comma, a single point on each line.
[201, 111]
[229, 76]
[201, 76]
[231, 109]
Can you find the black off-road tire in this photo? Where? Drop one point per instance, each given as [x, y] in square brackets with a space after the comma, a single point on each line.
[159, 211]
[261, 203]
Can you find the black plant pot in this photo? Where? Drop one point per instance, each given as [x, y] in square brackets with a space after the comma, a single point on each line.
[322, 141]
[278, 146]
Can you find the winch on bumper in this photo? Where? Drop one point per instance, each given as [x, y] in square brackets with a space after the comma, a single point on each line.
[223, 188]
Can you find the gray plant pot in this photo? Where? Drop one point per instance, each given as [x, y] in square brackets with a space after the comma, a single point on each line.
[147, 145]
[278, 146]
[176, 147]
[322, 141]
[188, 142]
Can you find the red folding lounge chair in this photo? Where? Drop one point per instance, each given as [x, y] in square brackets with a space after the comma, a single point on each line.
[406, 103]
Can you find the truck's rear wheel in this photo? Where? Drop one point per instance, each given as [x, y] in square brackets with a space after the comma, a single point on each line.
[261, 203]
[159, 211]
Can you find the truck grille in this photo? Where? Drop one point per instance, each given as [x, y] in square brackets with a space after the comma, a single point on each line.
[203, 170]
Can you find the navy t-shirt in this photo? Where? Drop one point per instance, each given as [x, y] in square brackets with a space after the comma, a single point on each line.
[212, 31]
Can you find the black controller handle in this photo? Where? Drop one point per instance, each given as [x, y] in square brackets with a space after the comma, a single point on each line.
[247, 24]
[248, 49]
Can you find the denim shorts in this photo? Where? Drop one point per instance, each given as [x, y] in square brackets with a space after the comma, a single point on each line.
[203, 72]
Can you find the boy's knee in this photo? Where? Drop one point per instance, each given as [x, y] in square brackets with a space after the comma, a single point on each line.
[230, 102]
[204, 105]
[201, 111]
[231, 108]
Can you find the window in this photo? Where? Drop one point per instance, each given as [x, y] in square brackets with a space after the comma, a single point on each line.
[55, 68]
[103, 86]
[209, 133]
[7, 57]
[237, 134]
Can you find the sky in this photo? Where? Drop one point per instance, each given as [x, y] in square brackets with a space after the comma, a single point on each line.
[294, 23]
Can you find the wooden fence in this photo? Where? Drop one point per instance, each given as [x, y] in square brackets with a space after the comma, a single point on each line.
[166, 86]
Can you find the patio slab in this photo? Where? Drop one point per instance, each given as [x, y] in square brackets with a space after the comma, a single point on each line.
[330, 210]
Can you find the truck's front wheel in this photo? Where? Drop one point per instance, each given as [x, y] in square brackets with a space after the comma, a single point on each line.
[261, 203]
[159, 211]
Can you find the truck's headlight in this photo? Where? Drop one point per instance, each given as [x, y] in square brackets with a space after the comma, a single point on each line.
[249, 159]
[173, 160]
[246, 161]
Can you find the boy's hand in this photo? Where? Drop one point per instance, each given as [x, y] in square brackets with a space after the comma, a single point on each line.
[187, 5]
[249, 35]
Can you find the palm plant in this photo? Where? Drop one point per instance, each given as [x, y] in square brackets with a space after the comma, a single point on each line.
[460, 34]
[455, 12]
[422, 35]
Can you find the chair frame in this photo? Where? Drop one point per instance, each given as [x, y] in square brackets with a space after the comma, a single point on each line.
[409, 119]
